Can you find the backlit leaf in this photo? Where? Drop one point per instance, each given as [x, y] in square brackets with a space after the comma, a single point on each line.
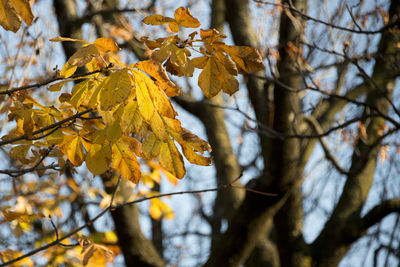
[72, 147]
[171, 159]
[115, 89]
[131, 120]
[246, 58]
[68, 70]
[208, 79]
[8, 16]
[185, 18]
[144, 100]
[159, 20]
[98, 158]
[66, 39]
[105, 44]
[10, 254]
[56, 86]
[160, 209]
[157, 71]
[83, 56]
[80, 92]
[124, 161]
[23, 9]
[151, 146]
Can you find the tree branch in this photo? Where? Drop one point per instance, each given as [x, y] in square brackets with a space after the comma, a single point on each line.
[49, 127]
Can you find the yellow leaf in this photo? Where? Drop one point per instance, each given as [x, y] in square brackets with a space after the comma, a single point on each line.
[229, 84]
[210, 36]
[124, 161]
[113, 132]
[20, 153]
[158, 127]
[133, 144]
[200, 62]
[23, 9]
[173, 124]
[56, 86]
[157, 71]
[105, 45]
[131, 121]
[72, 147]
[66, 39]
[68, 70]
[215, 77]
[246, 58]
[10, 254]
[94, 254]
[159, 20]
[8, 16]
[195, 158]
[20, 216]
[95, 95]
[98, 158]
[208, 79]
[151, 146]
[160, 209]
[81, 92]
[195, 142]
[228, 63]
[145, 104]
[191, 144]
[115, 89]
[185, 18]
[171, 160]
[159, 99]
[55, 138]
[83, 56]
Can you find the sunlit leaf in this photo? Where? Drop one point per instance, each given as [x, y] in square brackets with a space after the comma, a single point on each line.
[73, 148]
[124, 161]
[131, 120]
[83, 56]
[115, 89]
[157, 71]
[98, 158]
[66, 39]
[151, 146]
[159, 20]
[185, 18]
[246, 58]
[105, 44]
[171, 159]
[68, 70]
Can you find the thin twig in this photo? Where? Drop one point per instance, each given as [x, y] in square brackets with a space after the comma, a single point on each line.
[307, 17]
[40, 84]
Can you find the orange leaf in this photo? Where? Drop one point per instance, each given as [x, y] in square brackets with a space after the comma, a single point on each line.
[105, 45]
[185, 18]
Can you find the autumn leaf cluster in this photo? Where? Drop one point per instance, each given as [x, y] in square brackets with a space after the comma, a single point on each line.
[118, 117]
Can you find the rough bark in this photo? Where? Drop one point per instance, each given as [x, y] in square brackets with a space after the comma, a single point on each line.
[136, 248]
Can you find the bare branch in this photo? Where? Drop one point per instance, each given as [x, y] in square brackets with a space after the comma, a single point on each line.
[307, 17]
[39, 84]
